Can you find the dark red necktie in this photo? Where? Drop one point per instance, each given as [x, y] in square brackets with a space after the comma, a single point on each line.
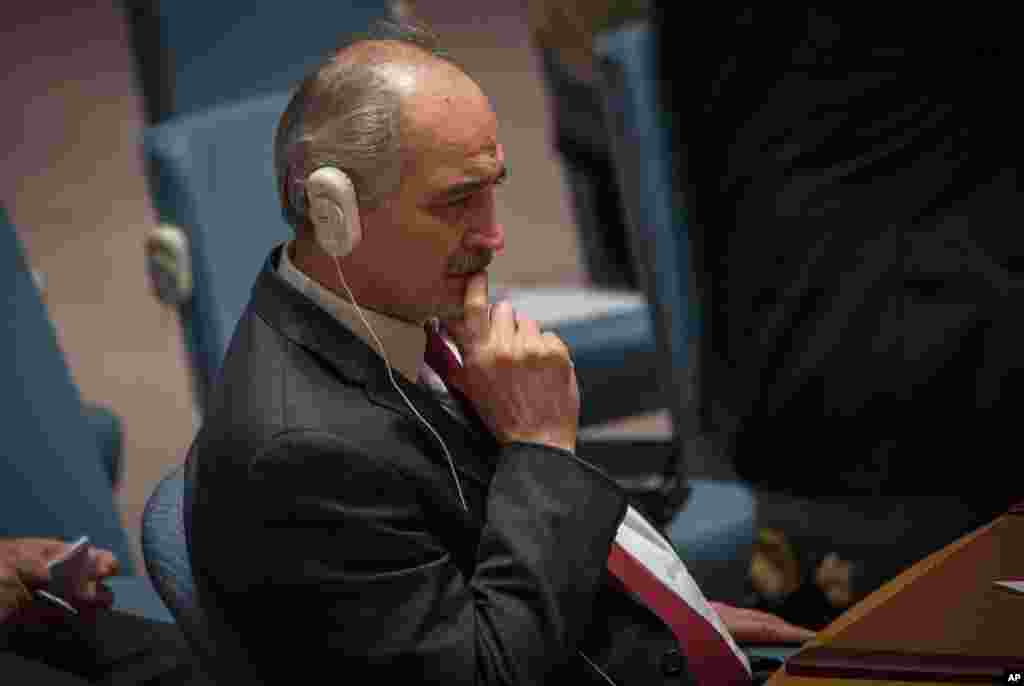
[443, 361]
[438, 355]
[709, 657]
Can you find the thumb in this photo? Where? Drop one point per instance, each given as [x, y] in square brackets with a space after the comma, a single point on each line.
[475, 321]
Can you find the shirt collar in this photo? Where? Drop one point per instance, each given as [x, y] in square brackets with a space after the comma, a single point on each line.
[404, 342]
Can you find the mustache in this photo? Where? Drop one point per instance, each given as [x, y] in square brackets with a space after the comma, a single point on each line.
[470, 262]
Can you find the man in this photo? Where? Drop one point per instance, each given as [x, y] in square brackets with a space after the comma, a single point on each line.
[342, 514]
[43, 643]
[847, 178]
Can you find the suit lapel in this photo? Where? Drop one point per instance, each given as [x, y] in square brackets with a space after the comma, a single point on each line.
[306, 324]
[471, 450]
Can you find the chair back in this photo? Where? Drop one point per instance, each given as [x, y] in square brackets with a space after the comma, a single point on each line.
[165, 550]
[53, 480]
[640, 129]
[211, 174]
[195, 55]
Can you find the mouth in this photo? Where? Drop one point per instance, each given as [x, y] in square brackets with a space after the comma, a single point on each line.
[464, 275]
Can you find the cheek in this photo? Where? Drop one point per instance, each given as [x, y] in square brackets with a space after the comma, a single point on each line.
[436, 238]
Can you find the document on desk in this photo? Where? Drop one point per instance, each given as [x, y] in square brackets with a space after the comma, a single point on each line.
[1015, 585]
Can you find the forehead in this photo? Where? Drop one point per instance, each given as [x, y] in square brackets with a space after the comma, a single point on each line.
[449, 129]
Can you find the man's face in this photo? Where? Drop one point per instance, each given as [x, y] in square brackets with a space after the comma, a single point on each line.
[421, 245]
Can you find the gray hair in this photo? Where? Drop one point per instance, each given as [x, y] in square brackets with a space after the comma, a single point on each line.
[347, 114]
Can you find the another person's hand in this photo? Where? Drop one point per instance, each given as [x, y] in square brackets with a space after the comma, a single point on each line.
[521, 381]
[13, 594]
[756, 626]
[23, 569]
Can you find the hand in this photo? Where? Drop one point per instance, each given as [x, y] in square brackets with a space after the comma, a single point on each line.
[521, 381]
[755, 626]
[13, 594]
[23, 569]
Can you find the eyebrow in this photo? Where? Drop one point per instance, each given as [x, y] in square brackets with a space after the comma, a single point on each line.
[470, 186]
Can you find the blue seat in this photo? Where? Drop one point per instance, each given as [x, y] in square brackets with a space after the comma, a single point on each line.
[194, 55]
[716, 536]
[165, 550]
[54, 482]
[212, 175]
[106, 426]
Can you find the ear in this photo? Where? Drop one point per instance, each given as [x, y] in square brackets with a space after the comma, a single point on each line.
[333, 211]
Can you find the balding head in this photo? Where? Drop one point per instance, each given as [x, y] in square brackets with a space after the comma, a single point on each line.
[349, 114]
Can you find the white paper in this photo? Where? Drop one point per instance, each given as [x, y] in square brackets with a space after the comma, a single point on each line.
[646, 544]
[68, 570]
[1016, 585]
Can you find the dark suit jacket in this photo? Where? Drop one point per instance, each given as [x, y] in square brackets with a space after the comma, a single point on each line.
[849, 179]
[324, 522]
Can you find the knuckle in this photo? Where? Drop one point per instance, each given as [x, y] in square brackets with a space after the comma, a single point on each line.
[533, 352]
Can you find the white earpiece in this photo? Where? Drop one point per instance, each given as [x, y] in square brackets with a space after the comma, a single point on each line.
[333, 211]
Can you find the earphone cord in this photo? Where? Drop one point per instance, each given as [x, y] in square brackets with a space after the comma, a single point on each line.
[391, 377]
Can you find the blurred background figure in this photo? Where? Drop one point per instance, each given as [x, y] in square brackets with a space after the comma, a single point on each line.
[845, 183]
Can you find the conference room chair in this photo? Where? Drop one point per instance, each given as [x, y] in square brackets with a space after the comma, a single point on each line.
[192, 55]
[54, 481]
[656, 223]
[165, 551]
[53, 478]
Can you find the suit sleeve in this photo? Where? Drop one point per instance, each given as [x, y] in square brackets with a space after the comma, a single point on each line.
[361, 579]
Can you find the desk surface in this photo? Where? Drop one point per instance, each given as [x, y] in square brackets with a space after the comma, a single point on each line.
[944, 604]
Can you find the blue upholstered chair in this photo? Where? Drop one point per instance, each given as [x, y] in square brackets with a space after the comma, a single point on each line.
[54, 481]
[165, 550]
[166, 554]
[195, 54]
[717, 537]
[59, 459]
[212, 176]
